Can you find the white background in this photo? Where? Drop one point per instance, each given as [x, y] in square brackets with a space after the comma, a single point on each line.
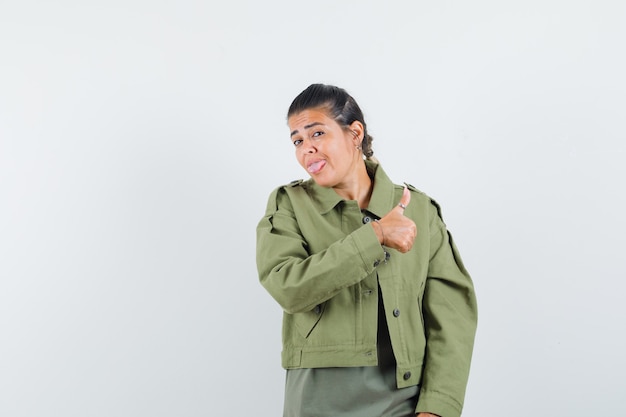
[139, 141]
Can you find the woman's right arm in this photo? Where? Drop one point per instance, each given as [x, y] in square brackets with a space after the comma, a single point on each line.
[299, 280]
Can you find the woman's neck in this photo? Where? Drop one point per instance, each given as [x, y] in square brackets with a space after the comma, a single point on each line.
[359, 189]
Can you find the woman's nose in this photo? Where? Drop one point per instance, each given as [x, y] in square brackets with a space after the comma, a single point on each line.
[308, 147]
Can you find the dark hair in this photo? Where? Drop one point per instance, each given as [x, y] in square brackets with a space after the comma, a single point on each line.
[340, 106]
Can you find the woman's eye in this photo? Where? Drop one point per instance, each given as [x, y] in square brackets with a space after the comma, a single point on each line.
[297, 142]
[317, 134]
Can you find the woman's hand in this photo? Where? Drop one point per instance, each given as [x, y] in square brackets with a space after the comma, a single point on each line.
[426, 415]
[394, 230]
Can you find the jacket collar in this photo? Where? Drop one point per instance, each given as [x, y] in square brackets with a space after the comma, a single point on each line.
[381, 202]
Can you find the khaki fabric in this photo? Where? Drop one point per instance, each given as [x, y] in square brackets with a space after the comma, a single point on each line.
[351, 392]
[322, 262]
[368, 391]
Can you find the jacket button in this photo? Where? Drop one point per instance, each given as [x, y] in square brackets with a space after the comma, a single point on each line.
[367, 219]
[376, 263]
[406, 376]
[396, 312]
[317, 309]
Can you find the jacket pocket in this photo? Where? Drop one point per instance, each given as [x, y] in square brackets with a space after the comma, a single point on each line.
[306, 322]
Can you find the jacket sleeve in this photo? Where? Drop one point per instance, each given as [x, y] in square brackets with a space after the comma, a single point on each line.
[297, 279]
[450, 318]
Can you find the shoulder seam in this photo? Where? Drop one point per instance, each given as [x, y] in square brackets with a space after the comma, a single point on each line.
[432, 200]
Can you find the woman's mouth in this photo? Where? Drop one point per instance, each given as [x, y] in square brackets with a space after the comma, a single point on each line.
[316, 166]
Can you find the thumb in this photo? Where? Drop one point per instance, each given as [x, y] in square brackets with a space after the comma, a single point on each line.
[406, 198]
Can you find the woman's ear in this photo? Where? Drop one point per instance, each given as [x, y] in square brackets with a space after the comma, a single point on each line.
[357, 131]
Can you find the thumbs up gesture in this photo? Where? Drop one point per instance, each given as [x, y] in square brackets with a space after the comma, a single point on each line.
[394, 230]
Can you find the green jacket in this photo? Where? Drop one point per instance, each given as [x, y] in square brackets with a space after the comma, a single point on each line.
[322, 263]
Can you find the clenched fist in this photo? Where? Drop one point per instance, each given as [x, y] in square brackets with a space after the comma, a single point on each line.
[394, 230]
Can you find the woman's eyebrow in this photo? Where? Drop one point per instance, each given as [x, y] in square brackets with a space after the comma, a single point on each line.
[307, 127]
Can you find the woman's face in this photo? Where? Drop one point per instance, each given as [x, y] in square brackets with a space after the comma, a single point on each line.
[325, 150]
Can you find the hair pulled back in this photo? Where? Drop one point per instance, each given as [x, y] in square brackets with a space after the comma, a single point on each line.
[339, 105]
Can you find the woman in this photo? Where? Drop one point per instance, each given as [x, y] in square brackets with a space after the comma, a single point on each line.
[379, 311]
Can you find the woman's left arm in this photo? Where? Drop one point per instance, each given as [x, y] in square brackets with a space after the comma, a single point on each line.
[450, 318]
